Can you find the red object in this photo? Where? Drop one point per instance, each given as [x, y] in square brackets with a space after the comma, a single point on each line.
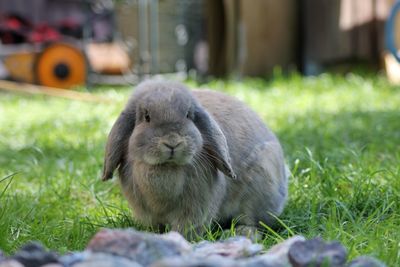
[13, 24]
[44, 33]
[13, 29]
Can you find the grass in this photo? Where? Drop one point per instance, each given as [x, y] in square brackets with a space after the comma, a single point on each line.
[341, 136]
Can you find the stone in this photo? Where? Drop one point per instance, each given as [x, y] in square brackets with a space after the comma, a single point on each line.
[2, 256]
[281, 250]
[262, 263]
[144, 248]
[365, 261]
[72, 258]
[10, 263]
[105, 260]
[190, 261]
[316, 252]
[177, 238]
[276, 256]
[131, 248]
[34, 254]
[234, 247]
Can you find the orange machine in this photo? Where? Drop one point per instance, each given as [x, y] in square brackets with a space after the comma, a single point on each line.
[60, 65]
[65, 44]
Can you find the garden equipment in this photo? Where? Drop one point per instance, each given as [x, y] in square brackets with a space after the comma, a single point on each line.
[60, 43]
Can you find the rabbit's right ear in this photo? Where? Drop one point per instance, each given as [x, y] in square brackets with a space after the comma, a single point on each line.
[215, 141]
[118, 139]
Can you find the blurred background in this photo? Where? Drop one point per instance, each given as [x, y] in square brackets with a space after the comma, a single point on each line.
[49, 41]
[323, 74]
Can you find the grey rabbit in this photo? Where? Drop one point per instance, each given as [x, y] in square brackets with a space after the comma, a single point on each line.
[187, 158]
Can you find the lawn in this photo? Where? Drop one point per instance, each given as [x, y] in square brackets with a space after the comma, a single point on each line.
[341, 136]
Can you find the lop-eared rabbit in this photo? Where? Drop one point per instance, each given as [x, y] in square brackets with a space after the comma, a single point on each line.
[187, 158]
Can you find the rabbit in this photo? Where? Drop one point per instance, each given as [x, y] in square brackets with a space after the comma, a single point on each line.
[187, 158]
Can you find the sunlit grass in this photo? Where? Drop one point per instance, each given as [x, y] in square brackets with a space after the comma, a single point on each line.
[341, 136]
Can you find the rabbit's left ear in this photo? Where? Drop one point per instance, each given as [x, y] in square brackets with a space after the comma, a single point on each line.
[117, 143]
[214, 141]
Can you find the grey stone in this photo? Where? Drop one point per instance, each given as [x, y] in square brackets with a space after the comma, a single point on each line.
[365, 261]
[2, 256]
[34, 254]
[178, 239]
[130, 248]
[144, 248]
[281, 250]
[190, 261]
[53, 265]
[235, 248]
[11, 263]
[72, 258]
[262, 262]
[276, 256]
[105, 260]
[316, 252]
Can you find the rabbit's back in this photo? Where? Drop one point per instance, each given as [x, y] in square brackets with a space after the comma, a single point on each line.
[243, 128]
[257, 159]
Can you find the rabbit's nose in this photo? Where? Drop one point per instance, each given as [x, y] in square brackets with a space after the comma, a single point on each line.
[172, 146]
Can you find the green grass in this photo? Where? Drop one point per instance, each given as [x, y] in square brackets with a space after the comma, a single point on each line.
[341, 136]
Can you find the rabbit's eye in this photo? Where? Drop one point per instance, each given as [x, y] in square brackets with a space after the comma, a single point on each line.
[188, 115]
[147, 116]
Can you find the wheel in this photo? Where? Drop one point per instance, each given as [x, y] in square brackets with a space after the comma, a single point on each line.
[60, 65]
[390, 31]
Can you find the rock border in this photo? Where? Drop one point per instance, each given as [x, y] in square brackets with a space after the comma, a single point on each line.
[131, 248]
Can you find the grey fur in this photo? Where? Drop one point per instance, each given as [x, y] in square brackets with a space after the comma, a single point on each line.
[225, 163]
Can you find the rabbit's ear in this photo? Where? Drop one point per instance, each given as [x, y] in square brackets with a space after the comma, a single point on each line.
[214, 141]
[117, 143]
